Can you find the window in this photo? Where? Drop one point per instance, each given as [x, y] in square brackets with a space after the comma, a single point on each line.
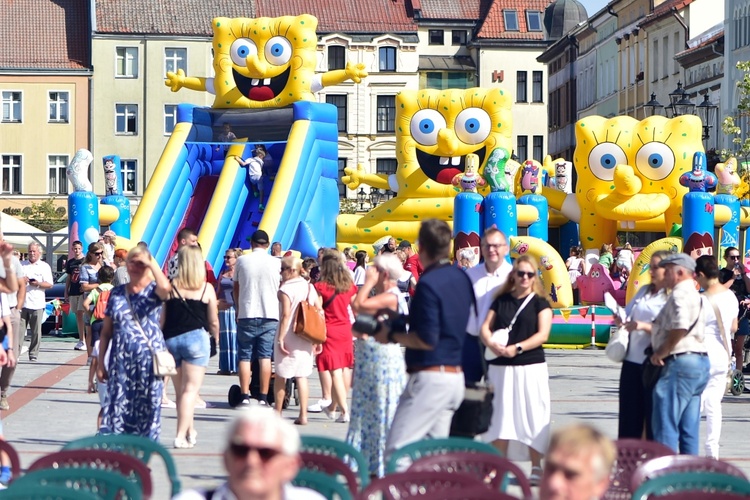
[434, 81]
[336, 57]
[12, 107]
[175, 59]
[665, 55]
[458, 37]
[339, 100]
[341, 185]
[11, 174]
[58, 107]
[521, 86]
[511, 20]
[448, 80]
[538, 145]
[522, 148]
[126, 62]
[387, 58]
[386, 113]
[676, 65]
[536, 87]
[129, 173]
[170, 118]
[655, 59]
[534, 20]
[57, 177]
[435, 37]
[386, 166]
[126, 116]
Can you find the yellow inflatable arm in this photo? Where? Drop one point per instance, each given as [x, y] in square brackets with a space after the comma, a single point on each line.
[640, 276]
[555, 276]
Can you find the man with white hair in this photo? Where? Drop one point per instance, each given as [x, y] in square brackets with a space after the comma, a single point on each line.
[578, 464]
[261, 459]
[38, 276]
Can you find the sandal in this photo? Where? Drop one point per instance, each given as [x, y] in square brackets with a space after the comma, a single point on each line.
[535, 478]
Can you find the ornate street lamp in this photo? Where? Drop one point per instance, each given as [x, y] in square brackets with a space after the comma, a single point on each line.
[653, 107]
[361, 198]
[707, 113]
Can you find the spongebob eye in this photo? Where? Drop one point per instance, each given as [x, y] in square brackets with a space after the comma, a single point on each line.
[241, 49]
[604, 158]
[425, 125]
[278, 51]
[472, 126]
[655, 160]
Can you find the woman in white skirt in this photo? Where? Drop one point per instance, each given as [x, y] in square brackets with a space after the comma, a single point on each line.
[716, 339]
[293, 355]
[520, 426]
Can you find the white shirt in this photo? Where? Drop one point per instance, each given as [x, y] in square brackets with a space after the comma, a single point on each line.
[224, 493]
[258, 275]
[485, 286]
[15, 264]
[728, 306]
[39, 271]
[643, 307]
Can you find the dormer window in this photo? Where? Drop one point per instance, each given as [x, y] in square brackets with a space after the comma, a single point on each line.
[534, 20]
[511, 20]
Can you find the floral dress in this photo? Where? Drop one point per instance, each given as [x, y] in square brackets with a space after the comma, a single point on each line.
[132, 403]
[379, 380]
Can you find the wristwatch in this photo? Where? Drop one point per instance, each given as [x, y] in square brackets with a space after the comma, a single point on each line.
[519, 348]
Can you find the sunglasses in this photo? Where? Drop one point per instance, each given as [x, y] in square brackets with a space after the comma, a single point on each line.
[522, 274]
[243, 450]
[734, 257]
[285, 268]
[227, 257]
[98, 253]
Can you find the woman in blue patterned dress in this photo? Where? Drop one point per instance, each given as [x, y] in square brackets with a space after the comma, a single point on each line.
[132, 404]
[379, 372]
[227, 315]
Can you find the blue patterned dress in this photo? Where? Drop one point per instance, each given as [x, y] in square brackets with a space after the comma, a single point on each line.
[132, 404]
[379, 379]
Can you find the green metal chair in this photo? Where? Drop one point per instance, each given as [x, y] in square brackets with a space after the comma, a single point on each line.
[401, 459]
[139, 447]
[342, 450]
[36, 492]
[105, 485]
[324, 484]
[692, 481]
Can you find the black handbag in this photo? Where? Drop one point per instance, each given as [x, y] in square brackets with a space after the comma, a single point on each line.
[475, 413]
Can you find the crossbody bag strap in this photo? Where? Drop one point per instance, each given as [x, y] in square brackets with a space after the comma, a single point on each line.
[138, 321]
[719, 321]
[515, 317]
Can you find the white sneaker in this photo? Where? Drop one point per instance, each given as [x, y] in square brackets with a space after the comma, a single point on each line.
[80, 346]
[318, 407]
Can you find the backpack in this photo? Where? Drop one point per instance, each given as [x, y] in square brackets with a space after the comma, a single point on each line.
[101, 303]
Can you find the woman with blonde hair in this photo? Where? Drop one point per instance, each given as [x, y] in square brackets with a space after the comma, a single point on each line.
[337, 289]
[293, 355]
[190, 316]
[516, 326]
[227, 316]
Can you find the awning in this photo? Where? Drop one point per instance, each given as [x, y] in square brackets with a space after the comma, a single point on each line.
[446, 63]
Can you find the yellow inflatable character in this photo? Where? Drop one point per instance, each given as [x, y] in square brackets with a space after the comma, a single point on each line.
[435, 131]
[264, 63]
[726, 174]
[628, 171]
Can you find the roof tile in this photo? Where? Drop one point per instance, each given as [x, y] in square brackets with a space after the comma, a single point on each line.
[446, 9]
[45, 35]
[493, 26]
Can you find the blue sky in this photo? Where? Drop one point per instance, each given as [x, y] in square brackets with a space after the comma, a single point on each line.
[593, 6]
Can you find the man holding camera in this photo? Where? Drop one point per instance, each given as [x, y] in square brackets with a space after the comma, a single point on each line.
[439, 312]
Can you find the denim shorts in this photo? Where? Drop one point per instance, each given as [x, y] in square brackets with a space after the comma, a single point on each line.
[96, 330]
[191, 347]
[255, 338]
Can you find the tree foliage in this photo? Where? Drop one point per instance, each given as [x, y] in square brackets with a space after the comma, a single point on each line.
[730, 126]
[44, 215]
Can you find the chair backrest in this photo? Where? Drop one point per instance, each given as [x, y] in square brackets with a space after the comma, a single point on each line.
[324, 484]
[36, 492]
[702, 495]
[490, 469]
[631, 453]
[106, 484]
[15, 461]
[692, 481]
[330, 465]
[139, 447]
[475, 493]
[126, 465]
[419, 483]
[339, 449]
[402, 458]
[681, 463]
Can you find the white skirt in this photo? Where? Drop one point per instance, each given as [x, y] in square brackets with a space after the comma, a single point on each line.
[520, 408]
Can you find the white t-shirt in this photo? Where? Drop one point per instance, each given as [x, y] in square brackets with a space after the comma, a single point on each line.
[39, 271]
[18, 269]
[254, 168]
[643, 307]
[728, 307]
[258, 275]
[359, 276]
[485, 286]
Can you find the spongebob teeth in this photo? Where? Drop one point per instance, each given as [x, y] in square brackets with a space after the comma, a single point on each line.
[456, 161]
[254, 82]
[267, 81]
[444, 160]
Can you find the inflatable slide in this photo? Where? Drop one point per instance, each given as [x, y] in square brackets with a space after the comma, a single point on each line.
[199, 183]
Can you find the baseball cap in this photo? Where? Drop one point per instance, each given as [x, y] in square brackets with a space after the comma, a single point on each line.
[404, 244]
[260, 237]
[678, 259]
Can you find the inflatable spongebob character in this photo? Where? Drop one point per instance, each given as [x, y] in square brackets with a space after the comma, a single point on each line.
[628, 171]
[726, 173]
[435, 131]
[264, 63]
[470, 179]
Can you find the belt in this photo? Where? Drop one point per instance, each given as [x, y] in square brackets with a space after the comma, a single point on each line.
[675, 356]
[436, 368]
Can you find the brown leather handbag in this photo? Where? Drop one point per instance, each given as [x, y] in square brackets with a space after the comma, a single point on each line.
[310, 323]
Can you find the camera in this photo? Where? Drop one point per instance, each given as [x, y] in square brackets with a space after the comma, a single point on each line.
[369, 324]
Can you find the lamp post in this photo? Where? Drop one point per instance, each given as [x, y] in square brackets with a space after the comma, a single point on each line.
[707, 113]
[361, 198]
[681, 104]
[375, 197]
[653, 107]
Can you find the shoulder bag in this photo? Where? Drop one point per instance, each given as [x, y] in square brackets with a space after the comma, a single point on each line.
[722, 332]
[501, 336]
[619, 342]
[164, 363]
[310, 323]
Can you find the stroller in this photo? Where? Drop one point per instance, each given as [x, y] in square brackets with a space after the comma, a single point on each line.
[235, 393]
